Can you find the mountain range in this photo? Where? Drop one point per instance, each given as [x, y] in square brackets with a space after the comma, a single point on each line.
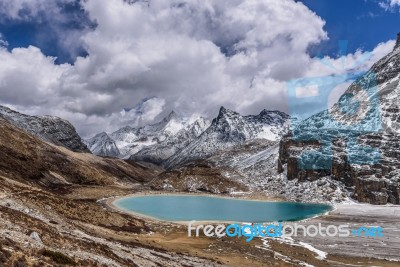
[176, 140]
[260, 152]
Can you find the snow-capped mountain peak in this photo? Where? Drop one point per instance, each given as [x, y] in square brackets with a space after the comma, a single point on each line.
[265, 125]
[103, 145]
[173, 123]
[230, 128]
[130, 140]
[172, 115]
[176, 139]
[224, 112]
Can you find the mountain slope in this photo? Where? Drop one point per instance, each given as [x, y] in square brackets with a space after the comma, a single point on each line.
[102, 145]
[159, 137]
[53, 214]
[230, 129]
[28, 159]
[155, 142]
[52, 129]
[365, 139]
[160, 152]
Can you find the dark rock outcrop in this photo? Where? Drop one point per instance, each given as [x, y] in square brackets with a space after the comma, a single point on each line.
[377, 182]
[397, 41]
[52, 129]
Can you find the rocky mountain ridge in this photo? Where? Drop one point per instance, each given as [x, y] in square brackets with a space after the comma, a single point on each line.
[175, 140]
[102, 145]
[49, 128]
[364, 137]
[158, 141]
[229, 129]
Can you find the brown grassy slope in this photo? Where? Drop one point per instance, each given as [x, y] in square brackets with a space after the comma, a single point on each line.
[26, 158]
[196, 176]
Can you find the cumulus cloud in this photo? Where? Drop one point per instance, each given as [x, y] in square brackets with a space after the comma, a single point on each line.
[143, 113]
[394, 2]
[197, 55]
[189, 55]
[356, 62]
[3, 41]
[389, 5]
[64, 22]
[27, 9]
[28, 78]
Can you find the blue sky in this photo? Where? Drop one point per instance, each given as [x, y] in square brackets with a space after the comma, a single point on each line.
[86, 61]
[364, 23]
[45, 29]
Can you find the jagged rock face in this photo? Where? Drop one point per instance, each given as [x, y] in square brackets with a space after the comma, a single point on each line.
[175, 140]
[157, 142]
[103, 145]
[234, 127]
[397, 42]
[52, 129]
[230, 129]
[160, 152]
[152, 143]
[378, 182]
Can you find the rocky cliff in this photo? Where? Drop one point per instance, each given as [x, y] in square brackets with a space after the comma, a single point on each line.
[229, 129]
[52, 129]
[364, 153]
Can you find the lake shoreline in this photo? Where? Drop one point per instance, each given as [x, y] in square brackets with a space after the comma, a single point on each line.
[353, 214]
[110, 203]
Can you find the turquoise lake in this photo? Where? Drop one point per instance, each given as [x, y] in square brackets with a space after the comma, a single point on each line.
[207, 208]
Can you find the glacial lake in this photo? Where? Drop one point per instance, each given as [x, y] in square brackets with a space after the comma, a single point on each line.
[175, 208]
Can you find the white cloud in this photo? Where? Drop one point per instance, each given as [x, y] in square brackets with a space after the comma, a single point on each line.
[27, 9]
[192, 55]
[64, 27]
[389, 5]
[28, 78]
[356, 62]
[350, 64]
[173, 50]
[3, 42]
[143, 113]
